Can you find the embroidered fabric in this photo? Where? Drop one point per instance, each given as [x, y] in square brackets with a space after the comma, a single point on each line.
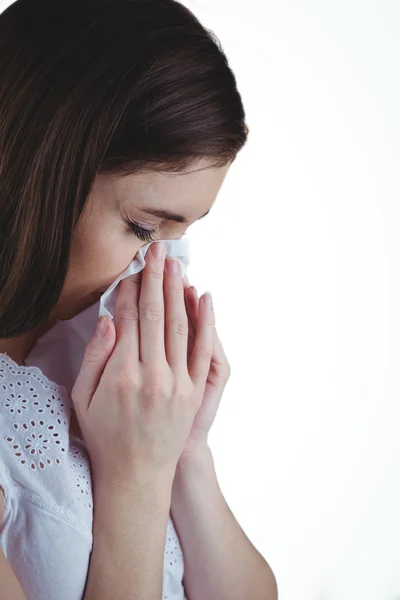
[45, 473]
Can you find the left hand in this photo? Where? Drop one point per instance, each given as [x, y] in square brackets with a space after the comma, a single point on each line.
[217, 379]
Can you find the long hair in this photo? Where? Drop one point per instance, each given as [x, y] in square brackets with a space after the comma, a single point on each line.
[88, 87]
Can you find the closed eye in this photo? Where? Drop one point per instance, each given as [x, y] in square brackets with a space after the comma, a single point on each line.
[143, 234]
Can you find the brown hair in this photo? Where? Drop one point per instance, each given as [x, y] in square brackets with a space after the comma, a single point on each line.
[90, 86]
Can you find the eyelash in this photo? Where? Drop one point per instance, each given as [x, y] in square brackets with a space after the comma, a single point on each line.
[145, 235]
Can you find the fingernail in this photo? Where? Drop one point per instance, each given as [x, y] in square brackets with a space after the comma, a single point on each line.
[173, 266]
[195, 292]
[158, 249]
[208, 300]
[102, 325]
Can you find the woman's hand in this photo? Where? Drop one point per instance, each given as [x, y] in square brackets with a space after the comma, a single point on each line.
[136, 395]
[217, 378]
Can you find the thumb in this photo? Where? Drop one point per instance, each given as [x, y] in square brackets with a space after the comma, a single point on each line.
[97, 353]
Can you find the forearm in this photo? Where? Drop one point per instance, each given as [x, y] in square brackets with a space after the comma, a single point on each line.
[129, 531]
[220, 561]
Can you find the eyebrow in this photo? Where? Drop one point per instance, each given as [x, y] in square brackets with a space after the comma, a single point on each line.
[169, 216]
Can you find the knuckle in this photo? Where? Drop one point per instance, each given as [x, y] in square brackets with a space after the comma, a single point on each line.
[153, 274]
[126, 379]
[129, 311]
[177, 325]
[176, 287]
[183, 392]
[92, 354]
[152, 312]
[133, 280]
[157, 385]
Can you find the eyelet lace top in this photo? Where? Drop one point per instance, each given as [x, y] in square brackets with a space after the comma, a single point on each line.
[46, 530]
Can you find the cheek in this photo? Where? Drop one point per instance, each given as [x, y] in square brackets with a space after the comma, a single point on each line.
[97, 260]
[95, 264]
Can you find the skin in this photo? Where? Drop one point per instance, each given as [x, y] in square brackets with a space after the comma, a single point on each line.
[104, 243]
[231, 567]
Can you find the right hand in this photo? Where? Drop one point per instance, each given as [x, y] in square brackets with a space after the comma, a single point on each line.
[136, 396]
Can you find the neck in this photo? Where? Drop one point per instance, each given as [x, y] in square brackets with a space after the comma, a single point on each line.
[19, 347]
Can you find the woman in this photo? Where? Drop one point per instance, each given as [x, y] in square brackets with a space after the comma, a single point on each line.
[119, 122]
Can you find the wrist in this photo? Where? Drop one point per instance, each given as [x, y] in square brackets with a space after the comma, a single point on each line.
[198, 460]
[195, 478]
[145, 483]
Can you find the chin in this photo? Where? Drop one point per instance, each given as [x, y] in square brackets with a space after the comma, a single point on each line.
[66, 313]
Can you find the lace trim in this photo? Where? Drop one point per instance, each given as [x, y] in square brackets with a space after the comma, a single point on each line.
[36, 443]
[36, 373]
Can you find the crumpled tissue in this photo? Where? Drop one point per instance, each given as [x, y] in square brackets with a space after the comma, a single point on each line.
[59, 352]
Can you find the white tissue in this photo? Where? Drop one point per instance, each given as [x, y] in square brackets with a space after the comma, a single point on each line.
[176, 248]
[59, 353]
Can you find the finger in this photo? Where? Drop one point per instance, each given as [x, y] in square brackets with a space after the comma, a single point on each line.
[220, 359]
[97, 353]
[176, 319]
[127, 319]
[219, 356]
[192, 309]
[151, 308]
[191, 304]
[203, 350]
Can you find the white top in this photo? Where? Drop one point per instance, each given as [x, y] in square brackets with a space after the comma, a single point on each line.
[46, 530]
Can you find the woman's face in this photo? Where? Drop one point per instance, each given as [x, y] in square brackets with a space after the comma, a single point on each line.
[104, 242]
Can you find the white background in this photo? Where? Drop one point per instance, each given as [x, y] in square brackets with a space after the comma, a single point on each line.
[300, 252]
